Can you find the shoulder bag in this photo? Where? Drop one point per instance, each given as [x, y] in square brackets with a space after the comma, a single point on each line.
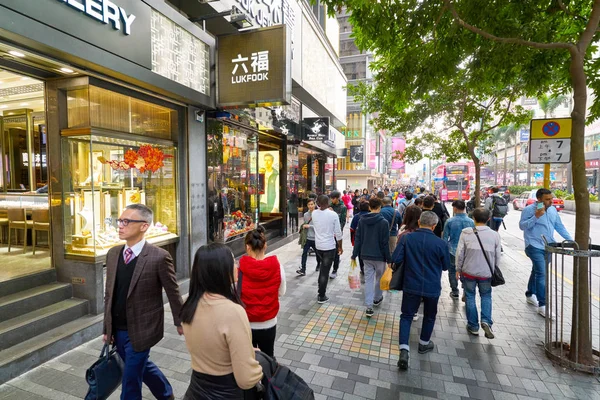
[497, 278]
[303, 233]
[105, 375]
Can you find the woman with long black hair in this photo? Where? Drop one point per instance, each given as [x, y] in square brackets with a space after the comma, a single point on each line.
[217, 331]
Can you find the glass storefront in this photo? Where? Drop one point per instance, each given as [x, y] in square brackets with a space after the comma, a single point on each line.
[232, 162]
[24, 216]
[116, 152]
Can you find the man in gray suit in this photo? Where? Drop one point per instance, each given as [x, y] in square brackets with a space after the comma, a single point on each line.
[136, 273]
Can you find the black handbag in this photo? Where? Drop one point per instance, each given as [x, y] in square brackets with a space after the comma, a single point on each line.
[281, 383]
[497, 278]
[105, 375]
[397, 282]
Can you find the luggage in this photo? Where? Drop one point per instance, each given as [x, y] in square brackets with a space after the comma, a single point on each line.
[105, 375]
[280, 383]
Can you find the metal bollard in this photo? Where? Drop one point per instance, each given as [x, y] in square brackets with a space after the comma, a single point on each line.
[562, 321]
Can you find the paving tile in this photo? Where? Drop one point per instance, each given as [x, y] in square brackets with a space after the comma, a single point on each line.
[458, 389]
[369, 372]
[343, 385]
[323, 380]
[365, 390]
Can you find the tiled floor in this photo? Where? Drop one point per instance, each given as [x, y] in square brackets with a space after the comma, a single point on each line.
[16, 263]
[343, 355]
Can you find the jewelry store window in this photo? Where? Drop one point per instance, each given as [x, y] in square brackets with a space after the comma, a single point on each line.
[116, 152]
[232, 163]
[24, 216]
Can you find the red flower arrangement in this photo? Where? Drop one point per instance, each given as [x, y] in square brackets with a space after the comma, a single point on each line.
[147, 158]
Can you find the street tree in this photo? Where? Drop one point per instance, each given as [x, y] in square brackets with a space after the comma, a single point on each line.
[535, 46]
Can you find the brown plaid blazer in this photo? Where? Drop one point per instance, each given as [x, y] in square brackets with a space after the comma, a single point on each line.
[145, 311]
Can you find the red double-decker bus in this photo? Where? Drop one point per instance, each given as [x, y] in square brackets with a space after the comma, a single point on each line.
[457, 181]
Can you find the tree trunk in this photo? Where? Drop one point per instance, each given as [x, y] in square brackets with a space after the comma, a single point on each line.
[516, 163]
[581, 346]
[477, 165]
[496, 166]
[505, 163]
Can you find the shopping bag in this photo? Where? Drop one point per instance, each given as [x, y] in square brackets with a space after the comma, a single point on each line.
[354, 276]
[386, 278]
[105, 375]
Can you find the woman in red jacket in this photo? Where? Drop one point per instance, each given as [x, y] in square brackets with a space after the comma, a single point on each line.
[261, 281]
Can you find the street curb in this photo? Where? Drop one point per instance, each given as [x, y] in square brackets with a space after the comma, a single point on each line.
[573, 213]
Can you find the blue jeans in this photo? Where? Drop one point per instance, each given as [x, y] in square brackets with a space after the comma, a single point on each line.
[327, 257]
[137, 369]
[495, 223]
[537, 279]
[410, 306]
[373, 272]
[485, 292]
[452, 274]
[309, 243]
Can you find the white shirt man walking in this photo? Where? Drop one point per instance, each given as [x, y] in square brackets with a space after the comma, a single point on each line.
[328, 241]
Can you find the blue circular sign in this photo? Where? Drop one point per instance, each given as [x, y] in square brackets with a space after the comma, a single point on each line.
[551, 128]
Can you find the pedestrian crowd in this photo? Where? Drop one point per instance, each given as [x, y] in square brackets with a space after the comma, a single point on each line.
[232, 307]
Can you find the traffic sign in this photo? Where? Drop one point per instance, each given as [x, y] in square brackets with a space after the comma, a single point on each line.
[555, 128]
[550, 141]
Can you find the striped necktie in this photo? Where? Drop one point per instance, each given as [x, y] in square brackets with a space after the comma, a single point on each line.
[128, 255]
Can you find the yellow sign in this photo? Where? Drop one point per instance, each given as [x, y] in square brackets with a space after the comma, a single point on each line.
[552, 128]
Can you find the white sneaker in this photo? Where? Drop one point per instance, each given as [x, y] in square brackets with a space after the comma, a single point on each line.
[416, 317]
[542, 311]
[532, 300]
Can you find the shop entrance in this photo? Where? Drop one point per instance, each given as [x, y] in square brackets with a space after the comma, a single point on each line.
[24, 207]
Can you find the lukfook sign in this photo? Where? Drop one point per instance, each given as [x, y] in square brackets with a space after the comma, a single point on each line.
[104, 11]
[259, 66]
[253, 68]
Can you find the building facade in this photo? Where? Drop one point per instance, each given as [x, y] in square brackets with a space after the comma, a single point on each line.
[121, 106]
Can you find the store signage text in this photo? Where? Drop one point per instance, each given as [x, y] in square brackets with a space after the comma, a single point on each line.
[259, 65]
[104, 11]
[263, 12]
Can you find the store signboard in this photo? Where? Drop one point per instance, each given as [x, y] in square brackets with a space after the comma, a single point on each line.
[592, 164]
[316, 129]
[254, 68]
[119, 26]
[357, 154]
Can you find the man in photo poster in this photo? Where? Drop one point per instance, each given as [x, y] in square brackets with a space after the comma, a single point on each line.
[269, 200]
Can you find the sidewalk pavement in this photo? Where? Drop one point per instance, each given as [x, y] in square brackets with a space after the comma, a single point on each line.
[343, 355]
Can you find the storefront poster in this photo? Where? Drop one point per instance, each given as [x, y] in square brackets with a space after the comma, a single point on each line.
[268, 164]
[357, 154]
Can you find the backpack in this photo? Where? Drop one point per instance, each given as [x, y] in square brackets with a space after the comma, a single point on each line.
[499, 207]
[280, 383]
[403, 206]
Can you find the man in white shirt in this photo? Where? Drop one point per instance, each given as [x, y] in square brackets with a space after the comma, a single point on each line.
[328, 240]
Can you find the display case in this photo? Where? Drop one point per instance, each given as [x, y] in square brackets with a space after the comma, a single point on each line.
[26, 201]
[104, 172]
[232, 181]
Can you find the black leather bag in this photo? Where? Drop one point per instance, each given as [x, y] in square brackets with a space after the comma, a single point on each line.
[497, 277]
[397, 282]
[105, 375]
[280, 383]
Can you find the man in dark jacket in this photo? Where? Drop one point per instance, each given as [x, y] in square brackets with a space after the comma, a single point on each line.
[392, 216]
[425, 256]
[363, 206]
[430, 204]
[371, 242]
[340, 209]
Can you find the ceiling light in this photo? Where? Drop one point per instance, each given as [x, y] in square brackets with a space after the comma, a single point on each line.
[24, 104]
[3, 106]
[67, 70]
[16, 53]
[24, 78]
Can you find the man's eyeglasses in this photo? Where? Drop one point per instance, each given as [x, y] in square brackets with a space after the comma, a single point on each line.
[126, 221]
